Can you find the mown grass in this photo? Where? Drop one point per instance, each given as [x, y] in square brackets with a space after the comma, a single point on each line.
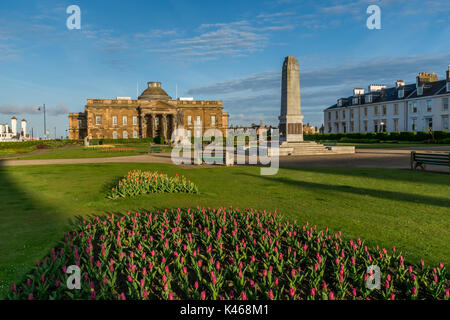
[406, 209]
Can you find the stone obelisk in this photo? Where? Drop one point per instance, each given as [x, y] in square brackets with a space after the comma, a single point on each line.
[291, 118]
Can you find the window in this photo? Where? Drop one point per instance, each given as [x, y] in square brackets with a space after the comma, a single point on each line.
[80, 123]
[135, 135]
[329, 127]
[365, 126]
[114, 120]
[329, 116]
[445, 122]
[384, 110]
[198, 120]
[414, 125]
[429, 123]
[444, 104]
[396, 109]
[365, 112]
[375, 110]
[429, 105]
[156, 121]
[343, 114]
[345, 127]
[213, 120]
[352, 113]
[414, 107]
[395, 125]
[375, 125]
[98, 120]
[383, 125]
[125, 135]
[352, 126]
[114, 135]
[134, 121]
[124, 120]
[337, 115]
[189, 120]
[189, 133]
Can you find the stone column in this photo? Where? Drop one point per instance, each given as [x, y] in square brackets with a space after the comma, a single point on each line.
[291, 118]
[152, 123]
[164, 126]
[174, 125]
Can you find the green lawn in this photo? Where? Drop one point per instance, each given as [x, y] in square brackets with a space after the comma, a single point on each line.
[79, 151]
[409, 210]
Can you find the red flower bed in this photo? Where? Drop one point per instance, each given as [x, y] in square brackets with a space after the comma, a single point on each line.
[117, 149]
[222, 254]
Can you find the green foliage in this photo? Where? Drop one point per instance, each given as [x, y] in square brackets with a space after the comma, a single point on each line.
[374, 137]
[141, 182]
[222, 253]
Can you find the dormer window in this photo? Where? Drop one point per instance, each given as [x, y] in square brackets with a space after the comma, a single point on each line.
[355, 100]
[368, 98]
[448, 86]
[420, 90]
[339, 102]
[401, 93]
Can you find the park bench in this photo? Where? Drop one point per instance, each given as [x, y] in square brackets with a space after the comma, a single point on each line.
[419, 159]
[154, 149]
[226, 159]
[328, 142]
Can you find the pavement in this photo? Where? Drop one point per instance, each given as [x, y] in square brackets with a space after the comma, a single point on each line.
[363, 158]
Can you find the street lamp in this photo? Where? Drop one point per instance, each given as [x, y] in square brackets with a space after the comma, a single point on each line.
[45, 122]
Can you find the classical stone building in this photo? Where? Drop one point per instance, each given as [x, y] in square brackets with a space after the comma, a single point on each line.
[153, 114]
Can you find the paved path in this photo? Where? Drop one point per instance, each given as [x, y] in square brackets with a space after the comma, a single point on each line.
[363, 158]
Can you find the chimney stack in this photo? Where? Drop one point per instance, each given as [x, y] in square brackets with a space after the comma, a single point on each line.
[14, 126]
[358, 91]
[399, 83]
[448, 79]
[24, 128]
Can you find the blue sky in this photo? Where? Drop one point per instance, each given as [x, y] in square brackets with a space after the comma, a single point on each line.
[225, 50]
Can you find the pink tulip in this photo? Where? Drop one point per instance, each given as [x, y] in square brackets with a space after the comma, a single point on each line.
[313, 292]
[331, 295]
[203, 295]
[291, 292]
[270, 294]
[244, 296]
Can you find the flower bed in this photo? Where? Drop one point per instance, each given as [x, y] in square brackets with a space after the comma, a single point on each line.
[143, 182]
[222, 254]
[117, 149]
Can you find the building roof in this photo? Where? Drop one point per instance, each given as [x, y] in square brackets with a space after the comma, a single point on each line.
[154, 92]
[391, 94]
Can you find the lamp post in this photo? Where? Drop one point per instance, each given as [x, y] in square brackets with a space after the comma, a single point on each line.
[45, 122]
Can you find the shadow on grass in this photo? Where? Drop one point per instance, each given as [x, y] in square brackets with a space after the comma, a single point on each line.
[428, 177]
[381, 194]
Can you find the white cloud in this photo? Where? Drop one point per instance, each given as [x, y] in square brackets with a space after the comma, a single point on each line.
[260, 93]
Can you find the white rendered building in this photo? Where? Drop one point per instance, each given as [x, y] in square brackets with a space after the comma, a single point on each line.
[8, 133]
[412, 107]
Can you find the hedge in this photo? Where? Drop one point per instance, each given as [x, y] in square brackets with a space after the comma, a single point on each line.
[368, 137]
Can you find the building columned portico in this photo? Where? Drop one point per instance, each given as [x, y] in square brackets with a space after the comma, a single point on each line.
[153, 114]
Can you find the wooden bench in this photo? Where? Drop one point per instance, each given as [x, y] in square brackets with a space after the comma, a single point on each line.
[226, 159]
[419, 159]
[328, 142]
[155, 149]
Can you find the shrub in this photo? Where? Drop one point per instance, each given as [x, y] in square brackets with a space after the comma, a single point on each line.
[222, 254]
[142, 182]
